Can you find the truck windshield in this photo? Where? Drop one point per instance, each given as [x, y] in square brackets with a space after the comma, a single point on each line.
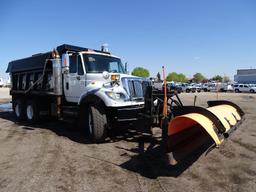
[99, 63]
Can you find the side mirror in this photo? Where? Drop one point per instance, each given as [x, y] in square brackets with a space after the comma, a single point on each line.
[126, 68]
[65, 63]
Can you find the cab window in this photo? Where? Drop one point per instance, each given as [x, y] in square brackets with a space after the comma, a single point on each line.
[75, 64]
[80, 70]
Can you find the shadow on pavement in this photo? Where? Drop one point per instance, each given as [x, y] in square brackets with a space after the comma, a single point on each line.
[60, 128]
[148, 160]
[152, 162]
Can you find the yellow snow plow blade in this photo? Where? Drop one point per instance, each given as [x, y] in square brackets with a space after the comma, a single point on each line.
[227, 114]
[218, 121]
[187, 121]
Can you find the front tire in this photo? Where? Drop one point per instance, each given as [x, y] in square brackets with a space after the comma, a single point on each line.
[251, 91]
[97, 123]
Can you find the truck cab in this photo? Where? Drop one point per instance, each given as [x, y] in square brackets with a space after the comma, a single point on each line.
[100, 73]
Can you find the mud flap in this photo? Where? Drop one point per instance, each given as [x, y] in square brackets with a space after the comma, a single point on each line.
[217, 121]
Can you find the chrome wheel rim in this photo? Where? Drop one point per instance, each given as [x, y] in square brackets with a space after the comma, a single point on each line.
[30, 112]
[17, 110]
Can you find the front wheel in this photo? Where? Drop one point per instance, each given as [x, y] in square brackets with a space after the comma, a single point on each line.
[251, 91]
[96, 123]
[237, 90]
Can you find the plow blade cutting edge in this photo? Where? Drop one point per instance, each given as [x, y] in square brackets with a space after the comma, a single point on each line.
[217, 121]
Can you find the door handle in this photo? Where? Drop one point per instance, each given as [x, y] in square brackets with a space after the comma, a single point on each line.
[78, 77]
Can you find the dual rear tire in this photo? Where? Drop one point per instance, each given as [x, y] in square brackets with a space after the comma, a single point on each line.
[26, 110]
[93, 117]
[19, 110]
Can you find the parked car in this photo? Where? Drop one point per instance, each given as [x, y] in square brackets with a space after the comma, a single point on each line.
[174, 87]
[214, 87]
[196, 87]
[187, 88]
[205, 87]
[252, 85]
[244, 88]
[225, 87]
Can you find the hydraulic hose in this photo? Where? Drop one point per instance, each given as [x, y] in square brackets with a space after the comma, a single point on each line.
[38, 80]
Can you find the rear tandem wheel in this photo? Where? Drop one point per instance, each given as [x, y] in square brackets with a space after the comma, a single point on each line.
[32, 111]
[19, 109]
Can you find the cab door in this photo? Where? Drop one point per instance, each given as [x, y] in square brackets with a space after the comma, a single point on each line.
[74, 81]
[241, 88]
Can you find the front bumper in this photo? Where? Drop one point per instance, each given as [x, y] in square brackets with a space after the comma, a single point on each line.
[125, 114]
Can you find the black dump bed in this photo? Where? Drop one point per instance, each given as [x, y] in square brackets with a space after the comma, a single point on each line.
[31, 63]
[37, 62]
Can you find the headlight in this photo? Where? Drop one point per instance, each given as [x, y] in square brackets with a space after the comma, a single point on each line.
[116, 95]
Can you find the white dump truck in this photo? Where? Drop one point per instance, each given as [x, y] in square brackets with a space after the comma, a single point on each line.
[91, 85]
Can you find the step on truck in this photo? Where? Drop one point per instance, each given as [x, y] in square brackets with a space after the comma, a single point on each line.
[71, 81]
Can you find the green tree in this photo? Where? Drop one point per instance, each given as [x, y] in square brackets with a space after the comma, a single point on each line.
[172, 76]
[226, 78]
[178, 77]
[198, 77]
[140, 72]
[158, 76]
[217, 78]
[182, 77]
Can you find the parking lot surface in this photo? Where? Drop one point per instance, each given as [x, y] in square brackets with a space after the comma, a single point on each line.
[53, 156]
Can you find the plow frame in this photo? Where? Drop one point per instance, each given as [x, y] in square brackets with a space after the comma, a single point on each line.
[154, 101]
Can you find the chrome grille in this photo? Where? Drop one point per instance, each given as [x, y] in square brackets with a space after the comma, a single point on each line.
[135, 87]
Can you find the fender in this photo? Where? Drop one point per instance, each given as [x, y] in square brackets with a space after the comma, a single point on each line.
[89, 96]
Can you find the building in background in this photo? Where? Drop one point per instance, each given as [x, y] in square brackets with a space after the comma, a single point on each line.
[245, 76]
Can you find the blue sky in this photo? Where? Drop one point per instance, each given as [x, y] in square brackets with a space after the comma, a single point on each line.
[188, 36]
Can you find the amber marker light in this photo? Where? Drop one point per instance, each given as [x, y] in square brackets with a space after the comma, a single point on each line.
[115, 77]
